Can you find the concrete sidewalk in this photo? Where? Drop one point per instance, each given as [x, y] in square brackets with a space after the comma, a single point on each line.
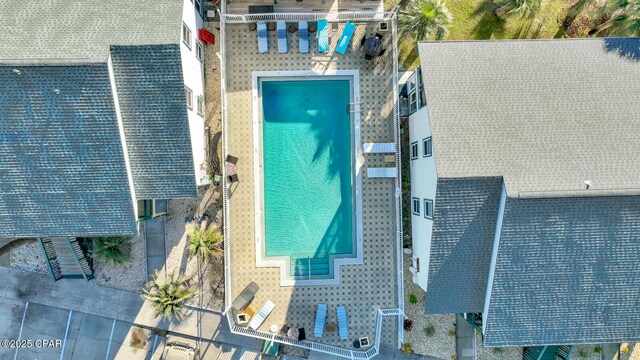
[124, 306]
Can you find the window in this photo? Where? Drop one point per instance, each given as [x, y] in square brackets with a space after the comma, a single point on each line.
[198, 7]
[415, 206]
[428, 208]
[189, 96]
[422, 101]
[412, 95]
[186, 35]
[417, 265]
[426, 147]
[200, 106]
[414, 150]
[199, 51]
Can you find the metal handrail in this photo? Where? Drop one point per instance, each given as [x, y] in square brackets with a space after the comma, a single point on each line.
[311, 16]
[225, 144]
[311, 345]
[399, 230]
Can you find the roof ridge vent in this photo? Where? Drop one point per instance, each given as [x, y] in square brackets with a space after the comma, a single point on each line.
[587, 184]
[16, 71]
[56, 91]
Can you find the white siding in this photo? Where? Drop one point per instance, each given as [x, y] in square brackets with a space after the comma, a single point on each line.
[193, 71]
[423, 186]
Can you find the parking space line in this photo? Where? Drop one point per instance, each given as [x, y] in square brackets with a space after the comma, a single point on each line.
[153, 348]
[66, 333]
[24, 315]
[113, 327]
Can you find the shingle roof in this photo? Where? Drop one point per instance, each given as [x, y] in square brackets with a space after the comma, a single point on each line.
[62, 171]
[464, 223]
[72, 29]
[545, 114]
[151, 99]
[567, 272]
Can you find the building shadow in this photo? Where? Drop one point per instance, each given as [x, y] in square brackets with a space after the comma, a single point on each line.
[628, 48]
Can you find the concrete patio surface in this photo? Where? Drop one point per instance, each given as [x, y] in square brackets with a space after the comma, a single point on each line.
[365, 288]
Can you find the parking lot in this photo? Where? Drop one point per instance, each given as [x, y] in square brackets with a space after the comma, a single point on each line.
[46, 332]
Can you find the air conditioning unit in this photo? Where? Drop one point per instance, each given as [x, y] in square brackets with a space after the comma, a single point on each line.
[383, 26]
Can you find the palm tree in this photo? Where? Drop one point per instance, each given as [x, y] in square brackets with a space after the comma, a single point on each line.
[167, 297]
[623, 19]
[522, 8]
[204, 243]
[115, 249]
[425, 19]
[574, 10]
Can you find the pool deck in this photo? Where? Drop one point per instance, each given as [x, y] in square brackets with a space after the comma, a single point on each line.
[364, 288]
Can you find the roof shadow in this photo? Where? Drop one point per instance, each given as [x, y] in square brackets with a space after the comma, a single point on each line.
[628, 48]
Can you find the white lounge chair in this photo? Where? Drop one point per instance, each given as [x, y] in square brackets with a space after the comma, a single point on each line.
[263, 37]
[379, 147]
[382, 172]
[303, 37]
[282, 36]
[321, 317]
[343, 327]
[261, 316]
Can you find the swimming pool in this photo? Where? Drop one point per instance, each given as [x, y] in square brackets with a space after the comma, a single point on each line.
[309, 186]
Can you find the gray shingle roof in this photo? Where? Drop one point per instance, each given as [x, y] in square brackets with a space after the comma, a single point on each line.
[545, 114]
[151, 98]
[567, 272]
[464, 224]
[71, 29]
[62, 169]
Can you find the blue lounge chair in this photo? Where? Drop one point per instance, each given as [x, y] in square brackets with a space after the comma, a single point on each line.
[263, 37]
[323, 36]
[282, 37]
[345, 39]
[321, 317]
[343, 329]
[303, 38]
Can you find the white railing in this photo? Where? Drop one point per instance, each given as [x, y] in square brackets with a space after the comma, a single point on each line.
[316, 346]
[311, 16]
[399, 231]
[225, 144]
[399, 312]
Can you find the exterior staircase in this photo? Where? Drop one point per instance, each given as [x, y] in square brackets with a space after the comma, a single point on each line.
[547, 353]
[304, 268]
[66, 259]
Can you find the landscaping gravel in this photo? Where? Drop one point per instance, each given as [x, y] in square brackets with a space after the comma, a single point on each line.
[29, 258]
[210, 282]
[130, 276]
[485, 353]
[440, 344]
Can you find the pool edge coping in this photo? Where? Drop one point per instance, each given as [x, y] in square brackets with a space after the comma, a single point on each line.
[258, 181]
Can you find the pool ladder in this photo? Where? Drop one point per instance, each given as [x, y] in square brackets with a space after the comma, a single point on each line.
[351, 108]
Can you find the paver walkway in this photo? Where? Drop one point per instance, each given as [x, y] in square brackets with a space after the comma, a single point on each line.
[154, 234]
[465, 339]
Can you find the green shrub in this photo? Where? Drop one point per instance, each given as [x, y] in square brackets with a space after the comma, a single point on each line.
[597, 349]
[452, 333]
[413, 299]
[204, 243]
[430, 330]
[406, 347]
[498, 350]
[167, 296]
[408, 324]
[115, 249]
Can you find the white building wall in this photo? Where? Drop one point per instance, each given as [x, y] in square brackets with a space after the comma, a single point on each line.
[193, 71]
[423, 186]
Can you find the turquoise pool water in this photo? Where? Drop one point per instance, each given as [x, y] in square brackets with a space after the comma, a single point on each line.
[307, 164]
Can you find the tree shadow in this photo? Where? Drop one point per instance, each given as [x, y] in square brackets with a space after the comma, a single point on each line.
[489, 24]
[526, 26]
[628, 48]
